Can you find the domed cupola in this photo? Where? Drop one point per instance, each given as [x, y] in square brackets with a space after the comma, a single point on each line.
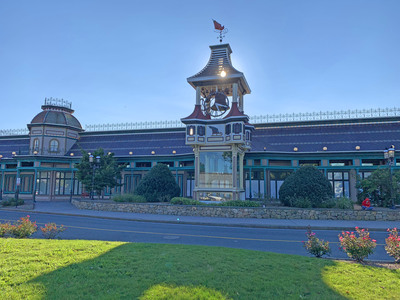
[54, 130]
[57, 113]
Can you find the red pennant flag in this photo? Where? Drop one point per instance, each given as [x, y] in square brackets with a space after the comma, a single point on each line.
[218, 26]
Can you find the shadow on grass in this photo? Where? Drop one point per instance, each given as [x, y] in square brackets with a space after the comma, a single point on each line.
[160, 271]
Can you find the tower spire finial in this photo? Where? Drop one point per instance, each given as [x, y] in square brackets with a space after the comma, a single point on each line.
[221, 30]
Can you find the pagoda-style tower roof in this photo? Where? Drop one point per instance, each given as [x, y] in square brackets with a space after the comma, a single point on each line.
[220, 60]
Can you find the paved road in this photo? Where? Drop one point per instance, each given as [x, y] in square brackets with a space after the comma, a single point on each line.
[288, 241]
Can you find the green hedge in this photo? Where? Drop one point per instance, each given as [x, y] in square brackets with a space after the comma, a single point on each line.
[185, 201]
[238, 203]
[12, 202]
[129, 198]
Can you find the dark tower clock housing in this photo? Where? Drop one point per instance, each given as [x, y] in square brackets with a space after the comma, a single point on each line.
[218, 130]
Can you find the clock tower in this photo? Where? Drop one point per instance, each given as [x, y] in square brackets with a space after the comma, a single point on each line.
[218, 130]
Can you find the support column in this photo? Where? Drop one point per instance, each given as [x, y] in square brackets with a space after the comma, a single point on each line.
[196, 172]
[198, 95]
[234, 168]
[241, 157]
[241, 108]
[234, 92]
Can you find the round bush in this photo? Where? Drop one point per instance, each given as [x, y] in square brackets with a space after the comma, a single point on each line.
[158, 185]
[306, 183]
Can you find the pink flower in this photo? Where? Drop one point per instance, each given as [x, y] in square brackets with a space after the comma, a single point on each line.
[374, 241]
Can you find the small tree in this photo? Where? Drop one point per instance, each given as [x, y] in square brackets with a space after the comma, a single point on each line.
[106, 174]
[158, 185]
[306, 183]
[378, 187]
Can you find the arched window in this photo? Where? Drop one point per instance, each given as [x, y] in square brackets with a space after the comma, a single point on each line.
[36, 145]
[53, 146]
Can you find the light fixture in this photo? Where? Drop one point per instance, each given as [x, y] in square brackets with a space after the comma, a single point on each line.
[71, 154]
[325, 148]
[191, 131]
[109, 153]
[391, 152]
[295, 149]
[357, 147]
[173, 152]
[265, 148]
[153, 152]
[130, 152]
[1, 156]
[223, 73]
[35, 152]
[14, 153]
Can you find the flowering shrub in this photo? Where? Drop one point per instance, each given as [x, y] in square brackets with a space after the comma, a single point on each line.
[315, 246]
[6, 229]
[393, 244]
[357, 247]
[50, 230]
[24, 228]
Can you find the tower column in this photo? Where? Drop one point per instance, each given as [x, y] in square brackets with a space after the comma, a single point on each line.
[234, 92]
[198, 95]
[241, 157]
[241, 108]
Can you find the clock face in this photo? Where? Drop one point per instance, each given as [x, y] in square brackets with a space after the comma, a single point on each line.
[215, 105]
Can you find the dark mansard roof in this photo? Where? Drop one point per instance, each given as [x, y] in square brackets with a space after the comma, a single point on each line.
[370, 136]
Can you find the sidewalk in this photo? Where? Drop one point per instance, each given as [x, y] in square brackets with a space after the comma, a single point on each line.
[66, 208]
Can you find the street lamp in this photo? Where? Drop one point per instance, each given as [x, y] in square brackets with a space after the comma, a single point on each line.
[388, 154]
[95, 165]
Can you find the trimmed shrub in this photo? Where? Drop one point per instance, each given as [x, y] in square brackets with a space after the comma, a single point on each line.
[307, 183]
[12, 202]
[129, 198]
[185, 201]
[158, 185]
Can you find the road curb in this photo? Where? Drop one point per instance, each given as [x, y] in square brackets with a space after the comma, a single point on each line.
[205, 223]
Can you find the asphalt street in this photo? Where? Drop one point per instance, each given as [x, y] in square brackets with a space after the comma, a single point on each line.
[287, 241]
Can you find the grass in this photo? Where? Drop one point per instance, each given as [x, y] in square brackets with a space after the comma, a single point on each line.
[74, 269]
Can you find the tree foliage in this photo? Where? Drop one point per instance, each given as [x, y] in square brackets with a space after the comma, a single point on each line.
[378, 187]
[106, 174]
[158, 185]
[306, 183]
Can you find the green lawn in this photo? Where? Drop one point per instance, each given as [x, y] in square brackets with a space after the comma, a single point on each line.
[58, 269]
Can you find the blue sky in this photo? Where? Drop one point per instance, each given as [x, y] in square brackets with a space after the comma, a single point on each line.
[127, 61]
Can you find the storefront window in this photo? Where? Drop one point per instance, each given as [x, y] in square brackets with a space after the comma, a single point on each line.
[63, 183]
[276, 181]
[26, 184]
[255, 184]
[9, 183]
[340, 183]
[43, 183]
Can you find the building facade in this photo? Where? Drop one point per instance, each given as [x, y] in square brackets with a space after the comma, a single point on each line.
[216, 152]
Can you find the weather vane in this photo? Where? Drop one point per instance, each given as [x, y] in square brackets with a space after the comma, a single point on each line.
[221, 30]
